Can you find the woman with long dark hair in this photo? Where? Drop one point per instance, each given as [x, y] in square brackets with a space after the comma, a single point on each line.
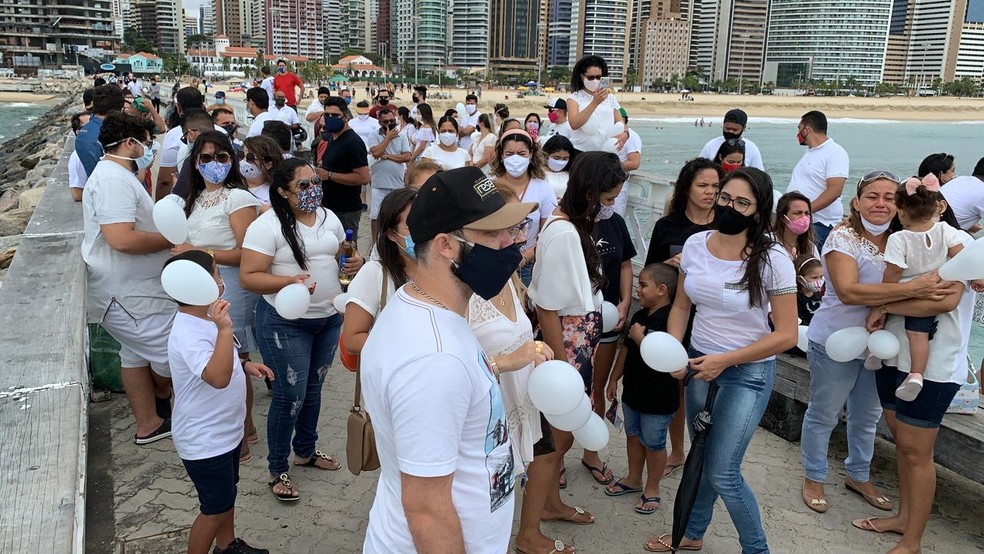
[483, 144]
[592, 107]
[731, 155]
[560, 155]
[446, 150]
[793, 226]
[297, 241]
[260, 157]
[736, 276]
[566, 290]
[426, 131]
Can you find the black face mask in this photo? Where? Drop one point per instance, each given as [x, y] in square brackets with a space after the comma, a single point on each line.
[230, 129]
[730, 222]
[384, 101]
[729, 136]
[485, 270]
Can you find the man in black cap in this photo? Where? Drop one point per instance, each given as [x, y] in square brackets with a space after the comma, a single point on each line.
[446, 481]
[733, 128]
[557, 114]
[220, 101]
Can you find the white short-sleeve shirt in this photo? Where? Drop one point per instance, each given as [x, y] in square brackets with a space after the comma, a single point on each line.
[965, 194]
[209, 225]
[448, 160]
[320, 245]
[76, 172]
[725, 321]
[256, 127]
[560, 274]
[207, 421]
[603, 115]
[540, 191]
[828, 160]
[170, 147]
[465, 120]
[921, 252]
[366, 287]
[285, 114]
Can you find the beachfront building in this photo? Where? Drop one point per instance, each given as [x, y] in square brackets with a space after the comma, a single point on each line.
[602, 30]
[356, 25]
[38, 34]
[897, 49]
[382, 26]
[206, 19]
[294, 28]
[360, 67]
[333, 28]
[514, 44]
[666, 45]
[160, 22]
[142, 64]
[970, 56]
[727, 38]
[832, 40]
[934, 42]
[419, 34]
[469, 22]
[559, 13]
[190, 25]
[229, 18]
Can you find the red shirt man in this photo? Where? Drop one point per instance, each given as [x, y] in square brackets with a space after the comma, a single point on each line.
[286, 81]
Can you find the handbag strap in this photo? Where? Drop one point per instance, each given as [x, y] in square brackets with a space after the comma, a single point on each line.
[356, 402]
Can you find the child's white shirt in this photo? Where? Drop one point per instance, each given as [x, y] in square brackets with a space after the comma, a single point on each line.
[919, 252]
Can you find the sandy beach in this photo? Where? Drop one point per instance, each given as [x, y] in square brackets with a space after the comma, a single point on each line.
[25, 97]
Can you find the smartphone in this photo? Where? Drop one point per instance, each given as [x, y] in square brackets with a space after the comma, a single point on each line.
[606, 82]
[675, 249]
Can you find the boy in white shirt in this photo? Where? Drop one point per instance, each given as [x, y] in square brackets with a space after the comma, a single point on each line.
[209, 408]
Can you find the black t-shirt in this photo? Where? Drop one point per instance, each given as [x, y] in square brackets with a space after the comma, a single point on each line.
[669, 235]
[344, 155]
[806, 306]
[615, 247]
[644, 389]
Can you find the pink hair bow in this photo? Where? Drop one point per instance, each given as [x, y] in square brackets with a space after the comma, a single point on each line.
[930, 181]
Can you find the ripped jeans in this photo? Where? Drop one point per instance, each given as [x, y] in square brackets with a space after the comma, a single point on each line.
[299, 352]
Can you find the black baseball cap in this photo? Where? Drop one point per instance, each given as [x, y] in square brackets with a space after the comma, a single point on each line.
[463, 198]
[736, 116]
[220, 94]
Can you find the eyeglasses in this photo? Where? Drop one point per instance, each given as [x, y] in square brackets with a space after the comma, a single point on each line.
[879, 174]
[521, 227]
[221, 157]
[740, 204]
[305, 184]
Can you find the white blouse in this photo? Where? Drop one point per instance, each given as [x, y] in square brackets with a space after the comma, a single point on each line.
[209, 225]
[560, 274]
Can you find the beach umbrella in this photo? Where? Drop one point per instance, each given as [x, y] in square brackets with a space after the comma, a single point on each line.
[531, 84]
[693, 469]
[685, 91]
[339, 79]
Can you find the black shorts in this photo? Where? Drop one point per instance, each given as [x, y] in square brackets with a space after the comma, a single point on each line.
[921, 325]
[215, 480]
[926, 411]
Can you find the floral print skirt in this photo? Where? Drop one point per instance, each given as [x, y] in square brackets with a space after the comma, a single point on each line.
[581, 335]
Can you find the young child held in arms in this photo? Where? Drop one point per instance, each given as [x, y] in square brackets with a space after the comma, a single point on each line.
[921, 247]
[209, 409]
[809, 288]
[649, 398]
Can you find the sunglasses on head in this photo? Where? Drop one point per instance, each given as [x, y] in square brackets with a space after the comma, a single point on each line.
[221, 157]
[735, 142]
[879, 174]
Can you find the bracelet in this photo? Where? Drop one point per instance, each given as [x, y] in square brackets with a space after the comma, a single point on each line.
[211, 252]
[882, 309]
[495, 368]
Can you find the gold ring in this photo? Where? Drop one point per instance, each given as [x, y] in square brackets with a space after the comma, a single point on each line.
[539, 347]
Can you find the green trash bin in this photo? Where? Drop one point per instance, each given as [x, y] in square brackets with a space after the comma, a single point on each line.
[104, 359]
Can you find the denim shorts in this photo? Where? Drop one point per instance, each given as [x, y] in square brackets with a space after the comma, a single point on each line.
[215, 480]
[650, 429]
[921, 325]
[926, 411]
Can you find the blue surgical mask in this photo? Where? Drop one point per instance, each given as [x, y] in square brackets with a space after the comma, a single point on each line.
[147, 160]
[408, 246]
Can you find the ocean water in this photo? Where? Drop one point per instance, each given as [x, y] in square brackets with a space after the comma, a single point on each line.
[898, 146]
[17, 117]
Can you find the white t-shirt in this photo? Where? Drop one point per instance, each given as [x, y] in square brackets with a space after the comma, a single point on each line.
[540, 191]
[426, 135]
[560, 274]
[170, 147]
[76, 172]
[632, 145]
[285, 114]
[448, 160]
[724, 320]
[207, 421]
[256, 127]
[834, 314]
[753, 157]
[320, 245]
[314, 107]
[602, 117]
[465, 120]
[209, 225]
[136, 88]
[367, 285]
[436, 410]
[965, 194]
[826, 161]
[478, 149]
[262, 193]
[267, 85]
[562, 129]
[364, 127]
[558, 182]
[387, 174]
[113, 195]
[921, 252]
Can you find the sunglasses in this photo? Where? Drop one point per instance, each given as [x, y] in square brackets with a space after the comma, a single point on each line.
[221, 157]
[248, 156]
[305, 184]
[735, 142]
[334, 115]
[879, 174]
[593, 77]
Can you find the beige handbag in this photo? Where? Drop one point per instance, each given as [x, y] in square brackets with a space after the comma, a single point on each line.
[360, 443]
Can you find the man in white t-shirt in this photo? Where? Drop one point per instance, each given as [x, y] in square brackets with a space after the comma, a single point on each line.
[267, 82]
[468, 121]
[258, 106]
[282, 112]
[820, 174]
[391, 152]
[631, 157]
[733, 128]
[362, 124]
[557, 114]
[316, 109]
[965, 195]
[447, 471]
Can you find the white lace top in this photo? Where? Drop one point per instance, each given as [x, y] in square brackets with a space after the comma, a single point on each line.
[209, 225]
[499, 335]
[833, 314]
[586, 138]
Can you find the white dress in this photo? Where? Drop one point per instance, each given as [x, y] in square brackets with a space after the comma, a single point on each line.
[588, 138]
[499, 335]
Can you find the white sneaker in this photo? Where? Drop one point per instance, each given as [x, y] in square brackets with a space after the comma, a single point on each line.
[910, 388]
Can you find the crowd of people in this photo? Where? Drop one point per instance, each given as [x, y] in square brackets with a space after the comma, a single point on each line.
[494, 242]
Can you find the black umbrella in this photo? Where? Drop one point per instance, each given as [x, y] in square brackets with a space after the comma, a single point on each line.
[693, 469]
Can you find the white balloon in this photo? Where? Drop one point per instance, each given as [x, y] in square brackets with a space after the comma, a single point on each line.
[575, 419]
[170, 220]
[555, 387]
[803, 343]
[292, 301]
[189, 283]
[663, 353]
[616, 129]
[609, 316]
[593, 435]
[610, 145]
[883, 344]
[847, 344]
[460, 108]
[967, 265]
[340, 302]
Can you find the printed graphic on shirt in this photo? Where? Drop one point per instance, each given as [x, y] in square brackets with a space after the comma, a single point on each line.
[498, 454]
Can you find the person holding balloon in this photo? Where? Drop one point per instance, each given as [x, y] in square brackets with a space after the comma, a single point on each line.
[854, 263]
[566, 290]
[296, 241]
[735, 276]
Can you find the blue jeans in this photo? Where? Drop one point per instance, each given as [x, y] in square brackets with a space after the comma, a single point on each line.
[242, 309]
[526, 273]
[299, 352]
[821, 232]
[832, 385]
[743, 394]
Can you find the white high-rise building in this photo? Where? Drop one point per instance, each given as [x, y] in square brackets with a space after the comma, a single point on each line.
[703, 34]
[934, 40]
[602, 31]
[832, 40]
[333, 28]
[206, 18]
[470, 33]
[970, 57]
[120, 10]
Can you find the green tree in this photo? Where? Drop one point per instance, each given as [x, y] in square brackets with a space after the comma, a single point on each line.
[559, 74]
[311, 71]
[133, 41]
[691, 82]
[631, 77]
[226, 63]
[659, 85]
[176, 64]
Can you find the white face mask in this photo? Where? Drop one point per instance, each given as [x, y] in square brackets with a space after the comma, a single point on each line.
[591, 85]
[471, 109]
[556, 165]
[447, 139]
[873, 229]
[249, 170]
[606, 212]
[364, 116]
[516, 165]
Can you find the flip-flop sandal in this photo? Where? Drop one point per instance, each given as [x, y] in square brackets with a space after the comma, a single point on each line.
[319, 455]
[562, 483]
[252, 437]
[623, 489]
[663, 541]
[670, 469]
[648, 500]
[601, 470]
[578, 512]
[881, 502]
[245, 455]
[283, 480]
[818, 505]
[558, 548]
[868, 524]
